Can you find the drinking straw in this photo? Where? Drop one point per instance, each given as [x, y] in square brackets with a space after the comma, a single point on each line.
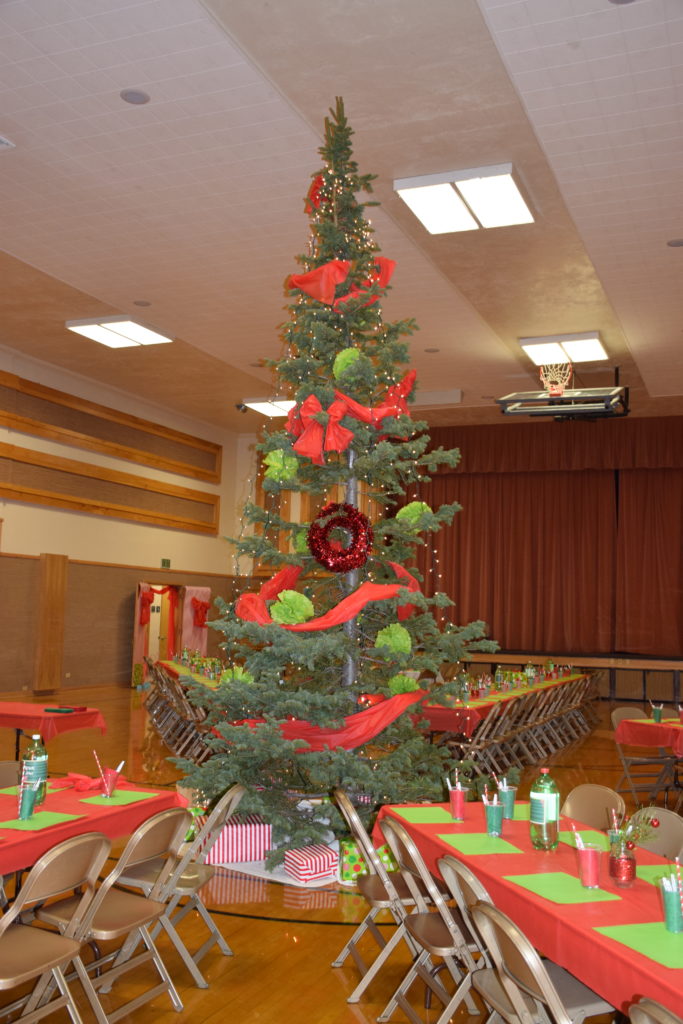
[485, 797]
[120, 766]
[504, 783]
[578, 838]
[680, 883]
[448, 784]
[99, 766]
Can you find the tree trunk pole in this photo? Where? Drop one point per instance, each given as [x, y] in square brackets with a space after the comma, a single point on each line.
[350, 668]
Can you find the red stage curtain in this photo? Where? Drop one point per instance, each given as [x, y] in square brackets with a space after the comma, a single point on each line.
[649, 584]
[532, 554]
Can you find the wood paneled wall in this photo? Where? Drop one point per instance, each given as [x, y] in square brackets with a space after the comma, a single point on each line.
[98, 612]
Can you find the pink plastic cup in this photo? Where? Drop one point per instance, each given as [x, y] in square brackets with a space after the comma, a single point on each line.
[109, 779]
[589, 865]
[458, 798]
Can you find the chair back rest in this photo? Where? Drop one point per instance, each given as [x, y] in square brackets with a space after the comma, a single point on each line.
[359, 833]
[9, 773]
[667, 838]
[71, 866]
[467, 891]
[420, 881]
[157, 838]
[520, 967]
[618, 714]
[592, 805]
[647, 1011]
[201, 845]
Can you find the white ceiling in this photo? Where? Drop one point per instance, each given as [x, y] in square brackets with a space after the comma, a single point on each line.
[192, 203]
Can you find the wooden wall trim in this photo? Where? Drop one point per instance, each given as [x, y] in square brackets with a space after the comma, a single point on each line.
[103, 412]
[50, 624]
[83, 503]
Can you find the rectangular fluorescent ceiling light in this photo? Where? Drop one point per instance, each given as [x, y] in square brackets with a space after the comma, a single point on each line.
[270, 406]
[564, 348]
[117, 332]
[486, 197]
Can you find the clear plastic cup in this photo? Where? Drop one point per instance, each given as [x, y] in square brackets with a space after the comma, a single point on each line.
[507, 799]
[494, 819]
[588, 857]
[458, 799]
[673, 915]
[110, 778]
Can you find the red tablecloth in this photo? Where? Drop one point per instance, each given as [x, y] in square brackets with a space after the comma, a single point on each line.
[464, 720]
[19, 849]
[643, 732]
[34, 718]
[564, 932]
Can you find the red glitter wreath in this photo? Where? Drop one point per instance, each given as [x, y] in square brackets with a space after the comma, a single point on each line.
[330, 553]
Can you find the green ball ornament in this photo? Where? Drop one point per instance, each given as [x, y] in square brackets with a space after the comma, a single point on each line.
[281, 466]
[411, 514]
[402, 684]
[392, 640]
[347, 357]
[236, 674]
[291, 608]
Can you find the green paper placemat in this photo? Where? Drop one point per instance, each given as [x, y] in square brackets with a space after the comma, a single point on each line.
[424, 815]
[474, 843]
[652, 940]
[559, 887]
[120, 797]
[522, 812]
[40, 820]
[14, 790]
[588, 835]
[653, 872]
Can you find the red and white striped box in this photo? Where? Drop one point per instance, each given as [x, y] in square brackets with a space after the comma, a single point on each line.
[311, 862]
[245, 837]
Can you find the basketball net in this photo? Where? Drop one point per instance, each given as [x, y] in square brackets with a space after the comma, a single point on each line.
[555, 377]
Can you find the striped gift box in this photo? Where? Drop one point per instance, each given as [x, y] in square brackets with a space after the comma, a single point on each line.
[311, 862]
[244, 837]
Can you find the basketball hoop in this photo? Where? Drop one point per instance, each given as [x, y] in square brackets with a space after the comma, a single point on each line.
[556, 377]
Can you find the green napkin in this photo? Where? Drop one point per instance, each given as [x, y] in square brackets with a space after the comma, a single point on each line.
[588, 835]
[652, 940]
[653, 872]
[424, 815]
[40, 820]
[559, 887]
[14, 790]
[118, 799]
[521, 812]
[474, 843]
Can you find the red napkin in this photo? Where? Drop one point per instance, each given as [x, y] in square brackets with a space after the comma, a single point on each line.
[81, 783]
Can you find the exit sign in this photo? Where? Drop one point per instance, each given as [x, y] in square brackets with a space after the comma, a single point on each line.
[165, 563]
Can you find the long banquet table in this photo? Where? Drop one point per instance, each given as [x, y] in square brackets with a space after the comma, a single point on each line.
[35, 718]
[645, 732]
[67, 812]
[565, 931]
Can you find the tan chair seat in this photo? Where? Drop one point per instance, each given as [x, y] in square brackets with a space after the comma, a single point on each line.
[116, 916]
[22, 946]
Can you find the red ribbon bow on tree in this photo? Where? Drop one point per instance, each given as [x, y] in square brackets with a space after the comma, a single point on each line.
[321, 282]
[384, 269]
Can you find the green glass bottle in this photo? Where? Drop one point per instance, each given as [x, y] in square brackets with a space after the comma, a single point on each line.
[544, 813]
[34, 766]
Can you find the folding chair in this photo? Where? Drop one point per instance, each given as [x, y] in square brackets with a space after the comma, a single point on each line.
[642, 773]
[470, 892]
[383, 891]
[30, 954]
[114, 914]
[647, 1011]
[593, 805]
[179, 890]
[667, 839]
[441, 933]
[523, 975]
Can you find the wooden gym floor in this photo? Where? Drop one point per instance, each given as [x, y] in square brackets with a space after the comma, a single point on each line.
[284, 937]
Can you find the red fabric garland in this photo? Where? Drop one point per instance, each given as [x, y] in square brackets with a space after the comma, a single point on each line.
[146, 599]
[321, 282]
[384, 269]
[252, 607]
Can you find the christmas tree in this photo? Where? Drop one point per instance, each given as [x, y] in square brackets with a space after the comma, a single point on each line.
[332, 647]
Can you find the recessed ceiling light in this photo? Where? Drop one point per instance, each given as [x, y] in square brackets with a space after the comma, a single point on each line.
[675, 243]
[136, 96]
[622, 1]
[141, 302]
[486, 197]
[269, 406]
[117, 332]
[6, 143]
[564, 348]
[432, 350]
